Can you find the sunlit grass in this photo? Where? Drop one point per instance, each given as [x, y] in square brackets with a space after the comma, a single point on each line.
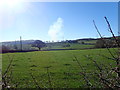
[64, 70]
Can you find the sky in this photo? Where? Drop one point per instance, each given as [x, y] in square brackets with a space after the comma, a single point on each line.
[53, 21]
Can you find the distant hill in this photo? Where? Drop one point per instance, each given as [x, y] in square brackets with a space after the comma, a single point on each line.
[18, 42]
[82, 41]
[74, 41]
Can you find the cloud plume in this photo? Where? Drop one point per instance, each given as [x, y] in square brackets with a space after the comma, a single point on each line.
[55, 30]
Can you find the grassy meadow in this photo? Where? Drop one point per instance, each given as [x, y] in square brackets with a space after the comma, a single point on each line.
[54, 69]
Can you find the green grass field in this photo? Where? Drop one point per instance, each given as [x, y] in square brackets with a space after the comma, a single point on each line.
[53, 69]
[72, 46]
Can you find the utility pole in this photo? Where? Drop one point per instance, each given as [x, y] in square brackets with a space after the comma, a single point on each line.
[15, 46]
[20, 43]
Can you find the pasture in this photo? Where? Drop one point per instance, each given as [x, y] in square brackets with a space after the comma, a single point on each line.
[54, 69]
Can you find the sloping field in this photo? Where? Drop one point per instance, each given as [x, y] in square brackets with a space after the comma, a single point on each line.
[54, 69]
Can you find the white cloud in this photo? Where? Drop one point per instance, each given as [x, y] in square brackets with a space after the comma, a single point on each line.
[55, 30]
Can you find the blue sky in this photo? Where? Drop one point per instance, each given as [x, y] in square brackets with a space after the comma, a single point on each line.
[57, 20]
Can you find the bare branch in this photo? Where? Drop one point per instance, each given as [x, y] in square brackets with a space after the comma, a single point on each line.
[83, 73]
[103, 39]
[110, 29]
[35, 81]
[7, 70]
[97, 29]
[49, 79]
